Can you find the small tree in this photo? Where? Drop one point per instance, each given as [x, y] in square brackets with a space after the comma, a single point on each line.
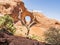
[6, 22]
[52, 36]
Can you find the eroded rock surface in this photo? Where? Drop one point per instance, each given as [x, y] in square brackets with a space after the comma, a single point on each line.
[17, 10]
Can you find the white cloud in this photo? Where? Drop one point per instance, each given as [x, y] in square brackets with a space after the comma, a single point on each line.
[37, 11]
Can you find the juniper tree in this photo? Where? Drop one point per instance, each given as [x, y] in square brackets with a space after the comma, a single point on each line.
[6, 22]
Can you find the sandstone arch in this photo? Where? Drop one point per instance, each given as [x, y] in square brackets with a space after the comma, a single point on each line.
[13, 10]
[26, 13]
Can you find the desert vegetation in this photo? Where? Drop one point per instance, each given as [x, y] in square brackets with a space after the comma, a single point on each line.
[52, 36]
[6, 22]
[15, 11]
[7, 26]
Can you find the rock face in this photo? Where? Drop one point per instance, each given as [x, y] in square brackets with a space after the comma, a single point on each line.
[8, 39]
[10, 7]
[16, 9]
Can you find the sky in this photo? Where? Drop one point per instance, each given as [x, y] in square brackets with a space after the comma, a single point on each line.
[50, 8]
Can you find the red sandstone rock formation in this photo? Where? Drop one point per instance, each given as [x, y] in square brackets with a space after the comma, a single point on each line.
[13, 7]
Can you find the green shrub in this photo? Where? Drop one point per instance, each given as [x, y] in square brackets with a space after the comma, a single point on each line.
[6, 22]
[35, 37]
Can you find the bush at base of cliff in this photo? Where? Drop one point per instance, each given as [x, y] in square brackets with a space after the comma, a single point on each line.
[52, 36]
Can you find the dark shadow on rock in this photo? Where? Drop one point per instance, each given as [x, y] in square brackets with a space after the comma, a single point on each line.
[8, 39]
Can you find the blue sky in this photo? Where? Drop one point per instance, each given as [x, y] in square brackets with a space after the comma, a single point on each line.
[51, 8]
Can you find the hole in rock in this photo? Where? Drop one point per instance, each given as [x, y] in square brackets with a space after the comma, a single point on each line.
[27, 19]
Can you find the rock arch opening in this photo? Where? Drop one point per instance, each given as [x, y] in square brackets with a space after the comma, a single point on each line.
[27, 19]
